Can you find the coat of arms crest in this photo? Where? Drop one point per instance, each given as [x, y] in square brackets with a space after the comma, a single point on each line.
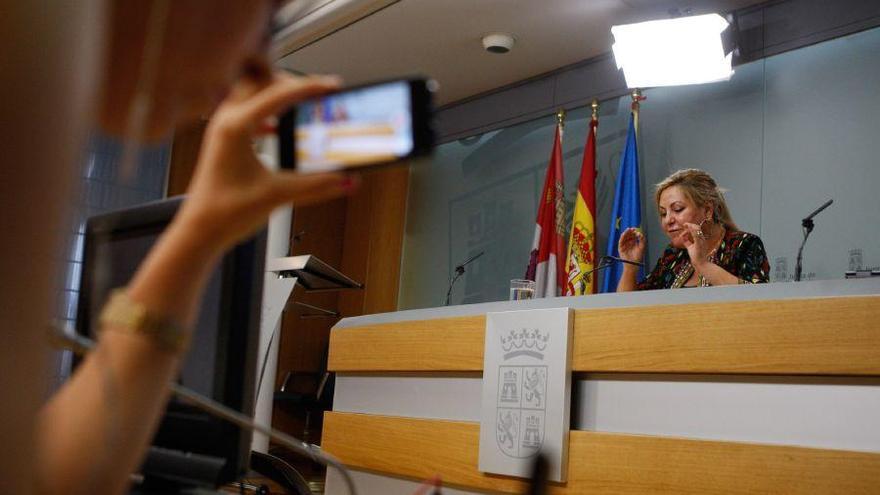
[521, 397]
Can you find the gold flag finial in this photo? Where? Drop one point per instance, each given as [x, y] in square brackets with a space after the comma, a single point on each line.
[637, 95]
[560, 116]
[595, 106]
[636, 98]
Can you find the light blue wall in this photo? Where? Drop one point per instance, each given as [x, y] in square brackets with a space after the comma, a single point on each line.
[782, 136]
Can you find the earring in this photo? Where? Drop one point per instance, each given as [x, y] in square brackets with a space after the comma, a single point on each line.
[700, 233]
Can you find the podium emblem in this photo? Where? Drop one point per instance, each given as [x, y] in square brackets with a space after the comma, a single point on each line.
[525, 391]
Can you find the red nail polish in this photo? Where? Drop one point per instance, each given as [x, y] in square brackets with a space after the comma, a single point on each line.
[348, 184]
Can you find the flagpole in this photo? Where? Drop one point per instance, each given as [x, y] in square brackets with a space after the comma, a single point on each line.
[593, 286]
[560, 120]
[637, 97]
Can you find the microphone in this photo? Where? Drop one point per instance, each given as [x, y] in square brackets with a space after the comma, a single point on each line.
[459, 271]
[808, 225]
[469, 261]
[818, 210]
[621, 260]
[608, 261]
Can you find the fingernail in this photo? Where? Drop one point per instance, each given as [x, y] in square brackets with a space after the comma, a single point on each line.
[349, 183]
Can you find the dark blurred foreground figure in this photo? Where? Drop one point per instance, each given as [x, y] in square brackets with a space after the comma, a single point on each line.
[132, 69]
[705, 245]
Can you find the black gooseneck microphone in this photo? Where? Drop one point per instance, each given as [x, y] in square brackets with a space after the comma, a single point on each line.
[621, 260]
[808, 225]
[459, 271]
[608, 261]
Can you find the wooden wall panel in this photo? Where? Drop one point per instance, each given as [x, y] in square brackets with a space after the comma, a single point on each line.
[363, 236]
[601, 462]
[356, 250]
[303, 341]
[812, 336]
[390, 188]
[318, 230]
[374, 241]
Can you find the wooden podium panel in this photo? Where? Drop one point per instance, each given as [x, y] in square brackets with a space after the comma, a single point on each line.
[836, 337]
[601, 462]
[814, 336]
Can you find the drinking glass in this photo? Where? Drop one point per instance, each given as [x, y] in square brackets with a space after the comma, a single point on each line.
[521, 289]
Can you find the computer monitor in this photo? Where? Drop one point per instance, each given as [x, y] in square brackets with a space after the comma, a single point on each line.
[190, 448]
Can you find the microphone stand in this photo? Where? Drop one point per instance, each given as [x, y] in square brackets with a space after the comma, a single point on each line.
[808, 225]
[459, 271]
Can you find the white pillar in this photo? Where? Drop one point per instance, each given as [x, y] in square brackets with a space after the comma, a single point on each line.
[275, 295]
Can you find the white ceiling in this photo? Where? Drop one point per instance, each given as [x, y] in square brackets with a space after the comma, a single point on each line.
[364, 40]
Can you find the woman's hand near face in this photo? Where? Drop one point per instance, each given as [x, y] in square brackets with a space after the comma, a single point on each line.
[631, 245]
[232, 193]
[697, 245]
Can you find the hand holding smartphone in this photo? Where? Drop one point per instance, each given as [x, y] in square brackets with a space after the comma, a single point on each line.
[357, 128]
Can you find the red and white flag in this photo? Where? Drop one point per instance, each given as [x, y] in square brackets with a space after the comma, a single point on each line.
[547, 260]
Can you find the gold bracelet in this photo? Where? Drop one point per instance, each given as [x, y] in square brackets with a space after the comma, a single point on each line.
[122, 314]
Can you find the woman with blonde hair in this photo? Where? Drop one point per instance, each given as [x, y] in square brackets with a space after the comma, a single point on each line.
[705, 245]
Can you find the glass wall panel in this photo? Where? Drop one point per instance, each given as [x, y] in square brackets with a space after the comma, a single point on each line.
[782, 136]
[476, 194]
[103, 189]
[821, 142]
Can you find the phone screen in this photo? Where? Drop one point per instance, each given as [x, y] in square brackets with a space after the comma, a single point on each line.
[355, 128]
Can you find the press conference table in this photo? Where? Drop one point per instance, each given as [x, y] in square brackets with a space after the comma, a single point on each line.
[771, 388]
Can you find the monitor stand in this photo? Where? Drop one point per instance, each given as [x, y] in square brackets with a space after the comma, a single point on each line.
[170, 471]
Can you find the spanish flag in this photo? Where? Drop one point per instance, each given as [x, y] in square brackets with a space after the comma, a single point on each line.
[582, 240]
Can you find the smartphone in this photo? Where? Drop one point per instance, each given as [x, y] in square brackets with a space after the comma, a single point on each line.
[359, 127]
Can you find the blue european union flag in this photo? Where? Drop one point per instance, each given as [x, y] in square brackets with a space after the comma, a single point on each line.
[627, 211]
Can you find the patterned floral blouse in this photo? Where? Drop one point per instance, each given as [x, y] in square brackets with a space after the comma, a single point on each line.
[740, 253]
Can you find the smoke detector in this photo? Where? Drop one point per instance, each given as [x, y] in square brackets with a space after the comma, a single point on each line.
[498, 42]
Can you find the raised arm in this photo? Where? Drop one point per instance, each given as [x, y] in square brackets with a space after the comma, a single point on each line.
[95, 431]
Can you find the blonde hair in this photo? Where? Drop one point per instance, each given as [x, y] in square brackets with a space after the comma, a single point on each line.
[700, 188]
